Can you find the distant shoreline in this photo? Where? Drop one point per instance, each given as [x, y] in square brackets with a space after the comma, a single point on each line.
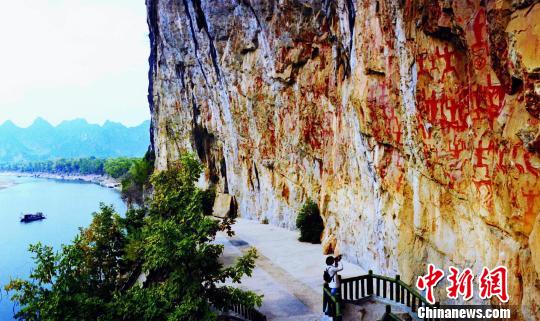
[6, 184]
[104, 181]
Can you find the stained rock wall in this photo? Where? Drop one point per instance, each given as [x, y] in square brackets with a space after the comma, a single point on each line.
[413, 123]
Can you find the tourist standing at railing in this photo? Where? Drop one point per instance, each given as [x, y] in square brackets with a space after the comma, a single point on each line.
[332, 281]
[333, 266]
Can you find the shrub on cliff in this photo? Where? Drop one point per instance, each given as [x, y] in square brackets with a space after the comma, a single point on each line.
[310, 223]
[170, 239]
[136, 179]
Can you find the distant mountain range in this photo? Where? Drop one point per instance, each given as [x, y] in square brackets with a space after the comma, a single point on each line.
[71, 139]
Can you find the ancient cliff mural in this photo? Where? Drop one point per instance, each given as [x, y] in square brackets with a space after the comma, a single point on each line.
[414, 124]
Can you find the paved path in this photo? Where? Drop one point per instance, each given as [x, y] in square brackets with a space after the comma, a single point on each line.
[288, 273]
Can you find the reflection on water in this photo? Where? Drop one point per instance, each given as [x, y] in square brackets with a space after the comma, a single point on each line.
[67, 205]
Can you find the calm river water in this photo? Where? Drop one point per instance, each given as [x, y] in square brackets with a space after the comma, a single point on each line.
[67, 206]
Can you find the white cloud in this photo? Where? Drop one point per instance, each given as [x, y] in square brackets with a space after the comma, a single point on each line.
[73, 58]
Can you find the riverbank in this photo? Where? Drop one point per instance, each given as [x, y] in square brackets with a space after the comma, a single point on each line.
[105, 181]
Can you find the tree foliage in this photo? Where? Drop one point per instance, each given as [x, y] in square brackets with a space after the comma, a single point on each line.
[137, 179]
[310, 223]
[82, 166]
[114, 167]
[79, 280]
[118, 167]
[169, 242]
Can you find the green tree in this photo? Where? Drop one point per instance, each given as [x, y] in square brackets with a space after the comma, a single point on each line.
[310, 223]
[169, 241]
[118, 167]
[137, 178]
[78, 282]
[181, 261]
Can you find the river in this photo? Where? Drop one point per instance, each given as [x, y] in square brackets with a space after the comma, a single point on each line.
[67, 206]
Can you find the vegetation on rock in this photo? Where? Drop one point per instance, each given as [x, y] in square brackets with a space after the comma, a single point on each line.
[169, 242]
[137, 179]
[310, 223]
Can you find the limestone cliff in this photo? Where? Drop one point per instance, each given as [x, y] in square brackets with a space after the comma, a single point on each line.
[413, 123]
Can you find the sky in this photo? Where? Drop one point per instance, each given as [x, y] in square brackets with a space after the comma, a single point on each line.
[66, 59]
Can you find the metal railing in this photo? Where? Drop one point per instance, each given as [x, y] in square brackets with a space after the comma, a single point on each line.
[357, 288]
[389, 316]
[331, 304]
[246, 313]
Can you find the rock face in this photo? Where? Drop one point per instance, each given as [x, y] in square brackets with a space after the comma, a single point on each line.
[224, 206]
[414, 124]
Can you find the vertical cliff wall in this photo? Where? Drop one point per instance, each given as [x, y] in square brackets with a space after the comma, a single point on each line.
[414, 124]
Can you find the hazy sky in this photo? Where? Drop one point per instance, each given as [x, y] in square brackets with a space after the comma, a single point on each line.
[65, 59]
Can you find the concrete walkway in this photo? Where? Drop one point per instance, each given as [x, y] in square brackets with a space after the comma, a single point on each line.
[288, 273]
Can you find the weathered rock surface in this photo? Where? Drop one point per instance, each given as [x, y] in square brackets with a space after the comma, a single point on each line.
[224, 206]
[414, 124]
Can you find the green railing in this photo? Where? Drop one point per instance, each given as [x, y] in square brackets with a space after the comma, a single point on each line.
[357, 288]
[246, 313]
[331, 304]
[389, 316]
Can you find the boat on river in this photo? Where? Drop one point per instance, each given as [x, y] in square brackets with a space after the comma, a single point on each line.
[27, 218]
